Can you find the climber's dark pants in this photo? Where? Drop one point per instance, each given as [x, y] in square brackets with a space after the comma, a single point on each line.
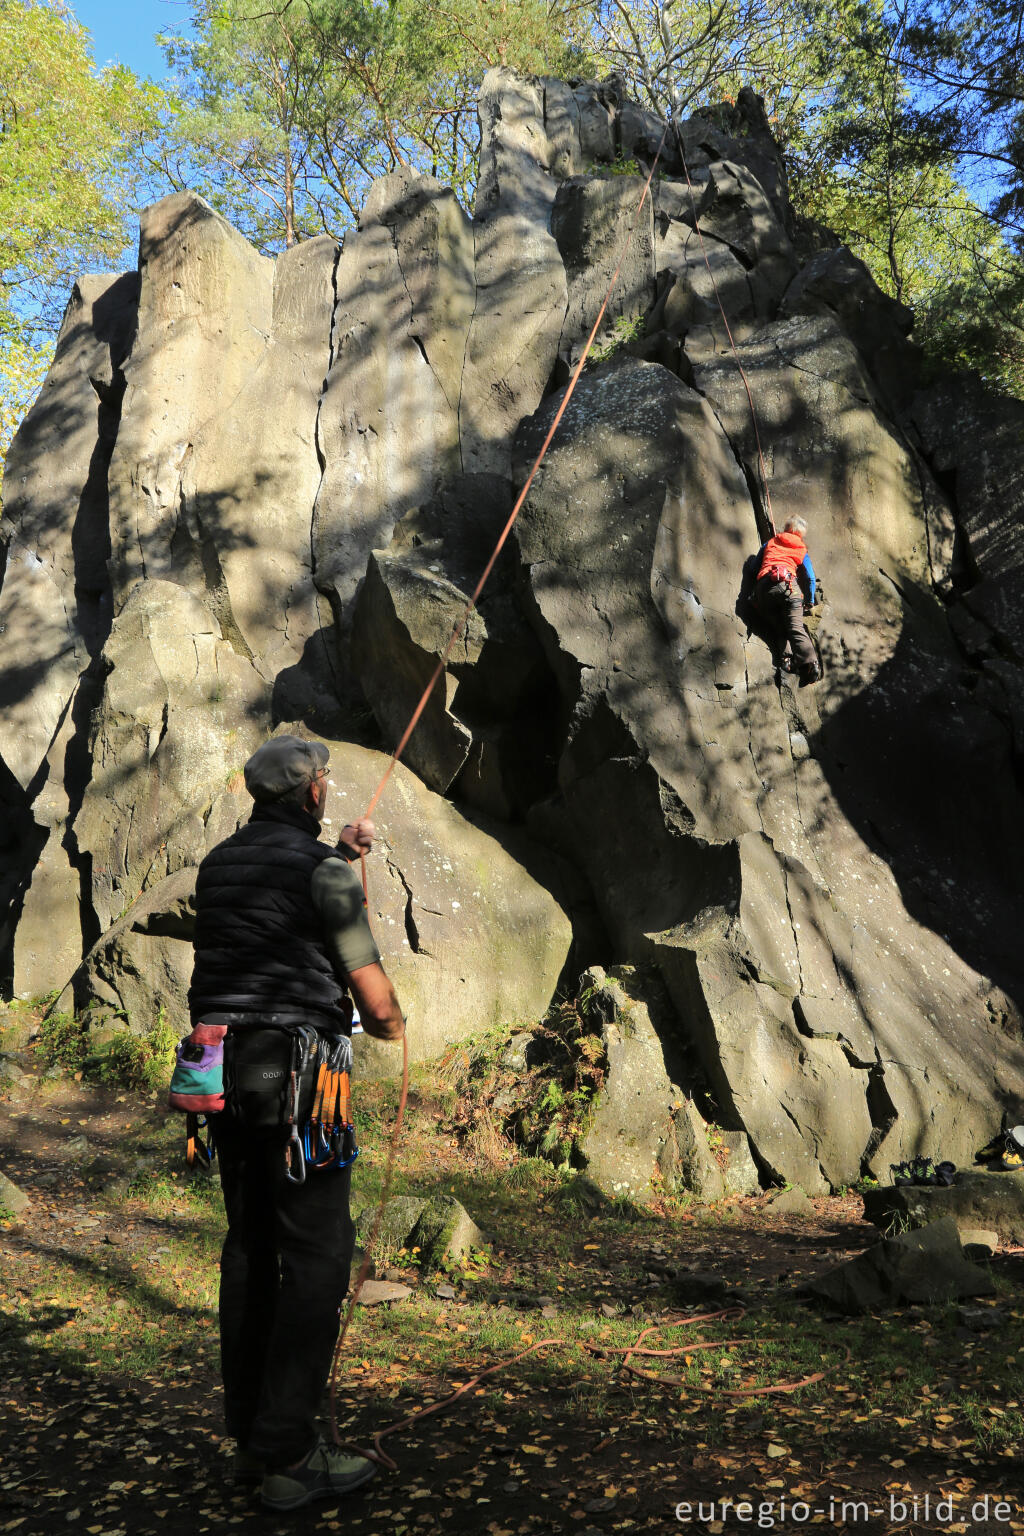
[283, 1274]
[782, 608]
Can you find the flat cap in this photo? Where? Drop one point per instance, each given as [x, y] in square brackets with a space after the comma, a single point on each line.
[282, 765]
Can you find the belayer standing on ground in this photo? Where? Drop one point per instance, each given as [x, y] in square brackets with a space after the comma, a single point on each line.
[281, 940]
[785, 583]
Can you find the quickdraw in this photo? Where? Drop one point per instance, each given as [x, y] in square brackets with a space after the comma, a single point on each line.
[199, 1153]
[330, 1139]
[327, 1139]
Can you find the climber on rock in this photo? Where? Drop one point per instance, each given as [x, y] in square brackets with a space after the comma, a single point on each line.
[785, 587]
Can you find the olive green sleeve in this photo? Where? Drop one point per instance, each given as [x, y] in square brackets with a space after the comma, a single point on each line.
[338, 897]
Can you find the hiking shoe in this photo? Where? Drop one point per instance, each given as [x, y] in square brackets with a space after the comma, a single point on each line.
[247, 1468]
[993, 1148]
[325, 1473]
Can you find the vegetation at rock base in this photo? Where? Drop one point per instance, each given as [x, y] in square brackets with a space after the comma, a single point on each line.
[110, 1388]
[535, 1088]
[123, 1058]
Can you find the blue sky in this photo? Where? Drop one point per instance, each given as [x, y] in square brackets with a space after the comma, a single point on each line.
[123, 30]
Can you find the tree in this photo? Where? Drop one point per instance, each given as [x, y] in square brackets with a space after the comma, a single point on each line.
[966, 63]
[66, 180]
[896, 176]
[289, 108]
[235, 130]
[65, 159]
[689, 53]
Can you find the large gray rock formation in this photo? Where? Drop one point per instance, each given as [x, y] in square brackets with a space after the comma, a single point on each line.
[256, 494]
[468, 935]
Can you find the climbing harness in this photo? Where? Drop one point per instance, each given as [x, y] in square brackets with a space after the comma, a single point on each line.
[315, 1104]
[779, 574]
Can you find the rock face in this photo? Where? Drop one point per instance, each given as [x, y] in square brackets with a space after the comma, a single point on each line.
[256, 494]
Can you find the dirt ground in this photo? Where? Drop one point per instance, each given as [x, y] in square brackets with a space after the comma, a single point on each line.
[91, 1447]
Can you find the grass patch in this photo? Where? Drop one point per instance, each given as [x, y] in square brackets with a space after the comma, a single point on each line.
[910, 1383]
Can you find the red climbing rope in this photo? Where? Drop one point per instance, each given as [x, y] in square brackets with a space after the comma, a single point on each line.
[599, 1351]
[463, 620]
[377, 1453]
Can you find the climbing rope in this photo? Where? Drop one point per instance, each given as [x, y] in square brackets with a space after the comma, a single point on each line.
[457, 631]
[463, 620]
[599, 1351]
[377, 1453]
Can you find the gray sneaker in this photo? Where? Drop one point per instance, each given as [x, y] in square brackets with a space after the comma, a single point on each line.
[324, 1474]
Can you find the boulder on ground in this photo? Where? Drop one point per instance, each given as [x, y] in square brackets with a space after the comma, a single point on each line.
[978, 1199]
[436, 1231]
[445, 1233]
[791, 1202]
[926, 1266]
[12, 1198]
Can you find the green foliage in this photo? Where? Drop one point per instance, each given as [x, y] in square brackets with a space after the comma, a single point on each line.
[559, 1094]
[68, 181]
[64, 1041]
[285, 114]
[126, 1060]
[141, 1062]
[626, 328]
[64, 153]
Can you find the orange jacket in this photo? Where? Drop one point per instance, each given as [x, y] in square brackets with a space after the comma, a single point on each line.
[787, 549]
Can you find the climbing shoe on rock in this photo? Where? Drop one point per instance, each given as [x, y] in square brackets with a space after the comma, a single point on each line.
[809, 674]
[945, 1173]
[901, 1175]
[326, 1473]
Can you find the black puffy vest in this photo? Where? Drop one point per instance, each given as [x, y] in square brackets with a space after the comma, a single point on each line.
[259, 944]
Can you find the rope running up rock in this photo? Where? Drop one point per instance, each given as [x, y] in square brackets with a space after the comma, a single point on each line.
[377, 1453]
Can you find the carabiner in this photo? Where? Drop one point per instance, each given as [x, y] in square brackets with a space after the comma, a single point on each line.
[293, 1153]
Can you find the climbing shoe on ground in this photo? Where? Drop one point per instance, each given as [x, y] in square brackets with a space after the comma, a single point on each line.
[901, 1175]
[247, 1468]
[326, 1473]
[991, 1149]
